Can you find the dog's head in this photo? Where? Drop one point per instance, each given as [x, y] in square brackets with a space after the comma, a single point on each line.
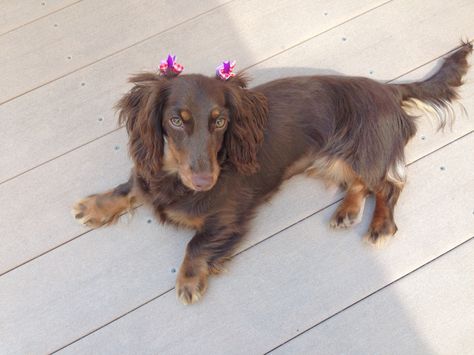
[189, 124]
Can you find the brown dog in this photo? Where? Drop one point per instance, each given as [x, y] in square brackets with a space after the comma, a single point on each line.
[207, 152]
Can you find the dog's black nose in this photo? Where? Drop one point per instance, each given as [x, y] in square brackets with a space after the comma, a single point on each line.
[201, 181]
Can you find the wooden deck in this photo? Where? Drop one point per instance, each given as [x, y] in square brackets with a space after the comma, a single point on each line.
[295, 286]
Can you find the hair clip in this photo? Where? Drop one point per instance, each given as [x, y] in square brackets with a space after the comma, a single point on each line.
[169, 66]
[225, 70]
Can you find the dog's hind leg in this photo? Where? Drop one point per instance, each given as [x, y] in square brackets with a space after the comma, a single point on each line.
[105, 208]
[351, 208]
[383, 225]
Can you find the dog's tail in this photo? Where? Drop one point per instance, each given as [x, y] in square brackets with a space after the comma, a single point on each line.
[435, 94]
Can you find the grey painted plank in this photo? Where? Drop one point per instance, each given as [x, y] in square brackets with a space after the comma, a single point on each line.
[394, 33]
[65, 287]
[26, 233]
[38, 216]
[302, 275]
[86, 32]
[16, 13]
[427, 312]
[70, 114]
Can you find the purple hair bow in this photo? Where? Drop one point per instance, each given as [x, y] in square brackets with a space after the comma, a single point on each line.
[170, 66]
[225, 70]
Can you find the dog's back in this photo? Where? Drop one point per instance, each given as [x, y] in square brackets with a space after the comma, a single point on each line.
[352, 131]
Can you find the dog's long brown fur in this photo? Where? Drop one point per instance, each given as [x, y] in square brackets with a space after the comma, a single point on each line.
[208, 152]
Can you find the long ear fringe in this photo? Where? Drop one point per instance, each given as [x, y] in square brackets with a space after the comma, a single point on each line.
[140, 111]
[248, 118]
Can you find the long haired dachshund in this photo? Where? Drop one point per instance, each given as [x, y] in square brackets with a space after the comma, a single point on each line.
[207, 152]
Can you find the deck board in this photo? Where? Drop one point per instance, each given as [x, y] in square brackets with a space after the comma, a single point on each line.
[305, 273]
[16, 14]
[380, 44]
[60, 281]
[427, 312]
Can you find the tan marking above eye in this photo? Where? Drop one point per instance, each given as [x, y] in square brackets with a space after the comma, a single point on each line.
[185, 115]
[215, 113]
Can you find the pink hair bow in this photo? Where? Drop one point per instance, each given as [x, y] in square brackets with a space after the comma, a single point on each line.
[170, 66]
[225, 70]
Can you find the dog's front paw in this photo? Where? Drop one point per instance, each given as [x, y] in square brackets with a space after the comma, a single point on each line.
[191, 285]
[88, 212]
[97, 210]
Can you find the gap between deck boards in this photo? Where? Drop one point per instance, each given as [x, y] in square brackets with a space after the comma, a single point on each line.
[40, 18]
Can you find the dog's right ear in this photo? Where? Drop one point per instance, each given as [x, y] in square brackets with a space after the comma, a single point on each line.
[248, 117]
[141, 111]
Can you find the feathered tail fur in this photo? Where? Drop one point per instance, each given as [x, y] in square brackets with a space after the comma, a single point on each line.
[436, 94]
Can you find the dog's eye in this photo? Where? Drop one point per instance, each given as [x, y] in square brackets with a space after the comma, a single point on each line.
[220, 123]
[177, 122]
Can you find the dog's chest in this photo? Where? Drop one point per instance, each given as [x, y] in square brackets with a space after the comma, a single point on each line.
[179, 209]
[182, 212]
[174, 203]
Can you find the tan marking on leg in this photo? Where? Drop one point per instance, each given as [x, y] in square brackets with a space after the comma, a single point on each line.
[351, 209]
[383, 225]
[103, 209]
[191, 282]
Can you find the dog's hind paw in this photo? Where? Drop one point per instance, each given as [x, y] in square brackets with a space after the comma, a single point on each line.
[346, 217]
[378, 236]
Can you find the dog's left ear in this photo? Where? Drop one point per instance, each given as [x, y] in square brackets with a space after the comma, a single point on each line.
[248, 117]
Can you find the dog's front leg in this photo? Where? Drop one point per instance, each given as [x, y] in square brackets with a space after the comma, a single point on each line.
[205, 255]
[105, 208]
